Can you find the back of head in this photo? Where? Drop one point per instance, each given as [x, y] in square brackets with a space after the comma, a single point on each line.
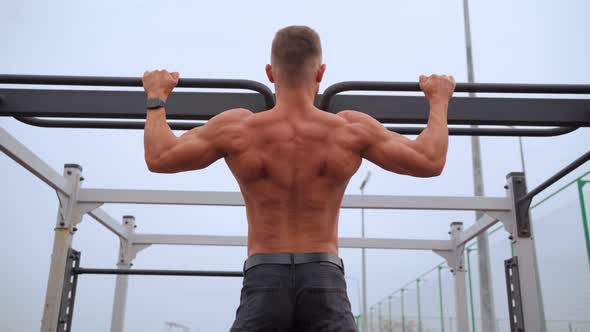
[296, 55]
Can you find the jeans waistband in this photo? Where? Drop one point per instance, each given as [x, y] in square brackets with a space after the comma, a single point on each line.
[292, 259]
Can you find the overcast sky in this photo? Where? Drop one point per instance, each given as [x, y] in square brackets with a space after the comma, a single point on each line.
[513, 41]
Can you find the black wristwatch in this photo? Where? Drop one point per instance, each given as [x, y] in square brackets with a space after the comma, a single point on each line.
[155, 103]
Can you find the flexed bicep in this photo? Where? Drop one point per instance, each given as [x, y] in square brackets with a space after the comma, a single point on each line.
[199, 147]
[189, 152]
[401, 155]
[392, 151]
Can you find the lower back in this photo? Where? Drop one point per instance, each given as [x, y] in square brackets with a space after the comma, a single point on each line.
[279, 224]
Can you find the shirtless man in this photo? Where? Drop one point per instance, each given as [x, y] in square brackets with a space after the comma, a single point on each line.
[293, 164]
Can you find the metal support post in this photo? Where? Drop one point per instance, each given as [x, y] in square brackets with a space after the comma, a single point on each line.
[456, 262]
[519, 227]
[459, 272]
[440, 300]
[418, 303]
[390, 325]
[69, 215]
[403, 311]
[581, 184]
[124, 261]
[471, 309]
[380, 318]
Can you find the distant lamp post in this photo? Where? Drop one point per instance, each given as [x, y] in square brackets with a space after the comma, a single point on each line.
[364, 269]
[172, 326]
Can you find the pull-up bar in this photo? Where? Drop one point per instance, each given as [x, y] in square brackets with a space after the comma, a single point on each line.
[205, 83]
[460, 87]
[26, 104]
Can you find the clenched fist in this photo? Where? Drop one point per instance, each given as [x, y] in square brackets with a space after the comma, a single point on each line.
[159, 83]
[437, 88]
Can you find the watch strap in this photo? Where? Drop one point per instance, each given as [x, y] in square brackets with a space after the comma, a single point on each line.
[154, 103]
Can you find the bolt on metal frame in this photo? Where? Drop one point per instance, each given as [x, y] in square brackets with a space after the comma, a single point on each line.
[511, 210]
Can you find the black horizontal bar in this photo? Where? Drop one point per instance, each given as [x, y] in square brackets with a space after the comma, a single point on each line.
[94, 124]
[101, 124]
[504, 132]
[556, 177]
[206, 83]
[187, 273]
[121, 104]
[334, 89]
[205, 105]
[471, 110]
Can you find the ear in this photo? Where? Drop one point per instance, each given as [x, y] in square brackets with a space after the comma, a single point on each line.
[320, 73]
[268, 69]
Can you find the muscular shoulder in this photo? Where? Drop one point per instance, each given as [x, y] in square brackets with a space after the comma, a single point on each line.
[359, 121]
[364, 128]
[226, 129]
[232, 116]
[352, 116]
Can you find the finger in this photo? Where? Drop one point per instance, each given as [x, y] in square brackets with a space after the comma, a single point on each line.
[422, 78]
[175, 76]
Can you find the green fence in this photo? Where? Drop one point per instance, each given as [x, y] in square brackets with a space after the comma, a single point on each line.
[562, 238]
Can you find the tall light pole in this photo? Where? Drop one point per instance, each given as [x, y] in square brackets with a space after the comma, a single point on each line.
[488, 312]
[364, 270]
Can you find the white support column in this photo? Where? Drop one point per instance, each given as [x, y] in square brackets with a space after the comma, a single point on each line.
[460, 277]
[524, 249]
[68, 216]
[124, 261]
[456, 261]
[532, 302]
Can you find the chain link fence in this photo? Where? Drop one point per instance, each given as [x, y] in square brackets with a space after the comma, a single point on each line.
[560, 221]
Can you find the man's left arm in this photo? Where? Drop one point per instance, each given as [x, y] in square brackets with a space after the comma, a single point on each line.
[195, 149]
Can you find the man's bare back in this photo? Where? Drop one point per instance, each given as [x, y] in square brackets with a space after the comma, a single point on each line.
[293, 169]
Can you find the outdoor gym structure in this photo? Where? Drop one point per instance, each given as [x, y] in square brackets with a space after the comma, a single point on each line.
[71, 108]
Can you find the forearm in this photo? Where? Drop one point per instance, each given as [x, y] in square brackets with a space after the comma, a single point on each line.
[158, 137]
[434, 139]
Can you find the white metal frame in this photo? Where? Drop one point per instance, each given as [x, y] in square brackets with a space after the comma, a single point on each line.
[74, 202]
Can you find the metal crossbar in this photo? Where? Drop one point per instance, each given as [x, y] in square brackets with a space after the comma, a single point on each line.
[27, 104]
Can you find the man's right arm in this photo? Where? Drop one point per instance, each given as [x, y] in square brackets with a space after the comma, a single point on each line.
[423, 157]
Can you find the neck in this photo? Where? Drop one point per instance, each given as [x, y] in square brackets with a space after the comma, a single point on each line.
[294, 97]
